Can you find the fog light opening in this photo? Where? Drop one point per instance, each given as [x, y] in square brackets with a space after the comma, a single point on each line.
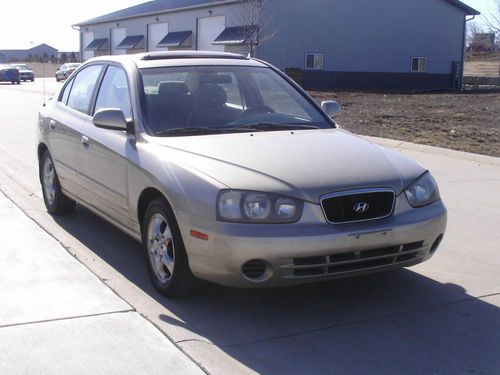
[256, 270]
[436, 243]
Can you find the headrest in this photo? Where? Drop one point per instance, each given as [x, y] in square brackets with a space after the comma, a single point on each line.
[172, 88]
[212, 96]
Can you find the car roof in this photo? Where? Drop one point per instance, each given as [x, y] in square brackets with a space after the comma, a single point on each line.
[182, 58]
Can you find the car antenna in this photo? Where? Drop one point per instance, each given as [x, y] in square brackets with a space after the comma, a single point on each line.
[43, 79]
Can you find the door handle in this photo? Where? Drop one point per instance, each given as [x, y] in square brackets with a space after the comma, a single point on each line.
[85, 141]
[52, 124]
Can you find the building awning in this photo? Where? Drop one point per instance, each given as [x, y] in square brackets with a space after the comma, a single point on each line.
[237, 35]
[130, 42]
[96, 44]
[174, 39]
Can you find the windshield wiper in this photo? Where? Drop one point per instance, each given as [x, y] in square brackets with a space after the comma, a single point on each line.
[185, 131]
[266, 126]
[179, 132]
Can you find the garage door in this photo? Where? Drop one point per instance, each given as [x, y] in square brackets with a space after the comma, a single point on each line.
[156, 32]
[88, 38]
[117, 35]
[210, 28]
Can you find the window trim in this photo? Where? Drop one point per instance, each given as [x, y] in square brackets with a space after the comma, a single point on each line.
[418, 68]
[315, 55]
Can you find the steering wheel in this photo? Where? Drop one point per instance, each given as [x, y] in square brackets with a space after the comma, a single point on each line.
[255, 110]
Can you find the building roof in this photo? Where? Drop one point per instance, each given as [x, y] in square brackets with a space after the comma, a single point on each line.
[161, 6]
[152, 7]
[467, 9]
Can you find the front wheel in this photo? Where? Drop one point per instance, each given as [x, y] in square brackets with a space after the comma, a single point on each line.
[55, 201]
[165, 255]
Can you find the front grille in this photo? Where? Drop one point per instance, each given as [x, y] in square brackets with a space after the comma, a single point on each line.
[355, 261]
[344, 207]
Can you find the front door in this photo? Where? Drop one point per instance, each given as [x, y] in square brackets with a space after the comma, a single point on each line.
[105, 152]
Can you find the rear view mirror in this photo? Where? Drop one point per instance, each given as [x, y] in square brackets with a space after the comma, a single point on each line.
[332, 108]
[111, 119]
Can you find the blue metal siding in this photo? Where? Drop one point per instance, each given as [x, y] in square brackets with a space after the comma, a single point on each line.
[365, 35]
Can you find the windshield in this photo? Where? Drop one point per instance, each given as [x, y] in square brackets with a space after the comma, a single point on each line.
[23, 67]
[218, 99]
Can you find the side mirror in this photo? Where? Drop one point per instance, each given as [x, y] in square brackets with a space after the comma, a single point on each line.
[111, 119]
[332, 108]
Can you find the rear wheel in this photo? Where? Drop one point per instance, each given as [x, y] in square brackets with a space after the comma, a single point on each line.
[165, 255]
[55, 201]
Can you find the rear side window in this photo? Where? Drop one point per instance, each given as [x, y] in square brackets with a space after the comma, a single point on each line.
[114, 92]
[65, 94]
[83, 87]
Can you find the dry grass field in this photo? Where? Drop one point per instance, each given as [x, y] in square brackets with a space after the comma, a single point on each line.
[462, 121]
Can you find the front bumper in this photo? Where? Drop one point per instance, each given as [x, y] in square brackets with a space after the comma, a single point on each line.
[27, 76]
[311, 249]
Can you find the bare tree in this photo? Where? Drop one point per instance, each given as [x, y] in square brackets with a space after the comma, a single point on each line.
[256, 24]
[493, 19]
[473, 28]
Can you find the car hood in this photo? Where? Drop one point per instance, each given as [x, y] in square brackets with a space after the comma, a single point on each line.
[304, 164]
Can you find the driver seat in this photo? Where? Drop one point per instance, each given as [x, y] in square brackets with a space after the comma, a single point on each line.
[211, 110]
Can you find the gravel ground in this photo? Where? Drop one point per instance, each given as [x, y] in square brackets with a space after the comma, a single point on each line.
[466, 122]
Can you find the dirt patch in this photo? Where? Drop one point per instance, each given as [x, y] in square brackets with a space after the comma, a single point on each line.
[465, 122]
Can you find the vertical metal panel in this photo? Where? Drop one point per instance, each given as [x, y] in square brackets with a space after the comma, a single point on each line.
[210, 28]
[87, 38]
[156, 32]
[365, 35]
[117, 35]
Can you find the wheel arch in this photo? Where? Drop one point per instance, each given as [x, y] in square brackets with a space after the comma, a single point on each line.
[145, 198]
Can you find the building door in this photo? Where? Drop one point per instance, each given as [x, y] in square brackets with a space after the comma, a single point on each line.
[156, 32]
[87, 38]
[117, 35]
[209, 28]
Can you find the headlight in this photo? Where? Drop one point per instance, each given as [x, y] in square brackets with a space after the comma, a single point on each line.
[423, 192]
[240, 206]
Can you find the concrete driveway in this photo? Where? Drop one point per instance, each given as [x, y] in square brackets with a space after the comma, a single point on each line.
[440, 317]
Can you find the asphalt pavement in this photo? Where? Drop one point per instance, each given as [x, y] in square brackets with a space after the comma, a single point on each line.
[75, 297]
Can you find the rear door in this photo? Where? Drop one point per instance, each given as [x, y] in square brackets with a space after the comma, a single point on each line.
[105, 153]
[64, 138]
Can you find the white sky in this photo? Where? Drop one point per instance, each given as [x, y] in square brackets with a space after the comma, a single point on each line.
[49, 21]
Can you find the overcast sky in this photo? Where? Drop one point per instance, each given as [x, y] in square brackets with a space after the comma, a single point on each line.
[49, 21]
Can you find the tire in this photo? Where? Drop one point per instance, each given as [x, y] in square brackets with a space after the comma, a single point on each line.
[55, 201]
[57, 79]
[165, 255]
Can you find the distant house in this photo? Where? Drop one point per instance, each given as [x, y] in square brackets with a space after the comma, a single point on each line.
[23, 54]
[483, 42]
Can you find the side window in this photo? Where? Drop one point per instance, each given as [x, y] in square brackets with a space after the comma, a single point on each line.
[67, 90]
[83, 87]
[418, 64]
[315, 61]
[114, 92]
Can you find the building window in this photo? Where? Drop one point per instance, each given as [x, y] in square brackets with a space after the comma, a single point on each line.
[419, 64]
[315, 61]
